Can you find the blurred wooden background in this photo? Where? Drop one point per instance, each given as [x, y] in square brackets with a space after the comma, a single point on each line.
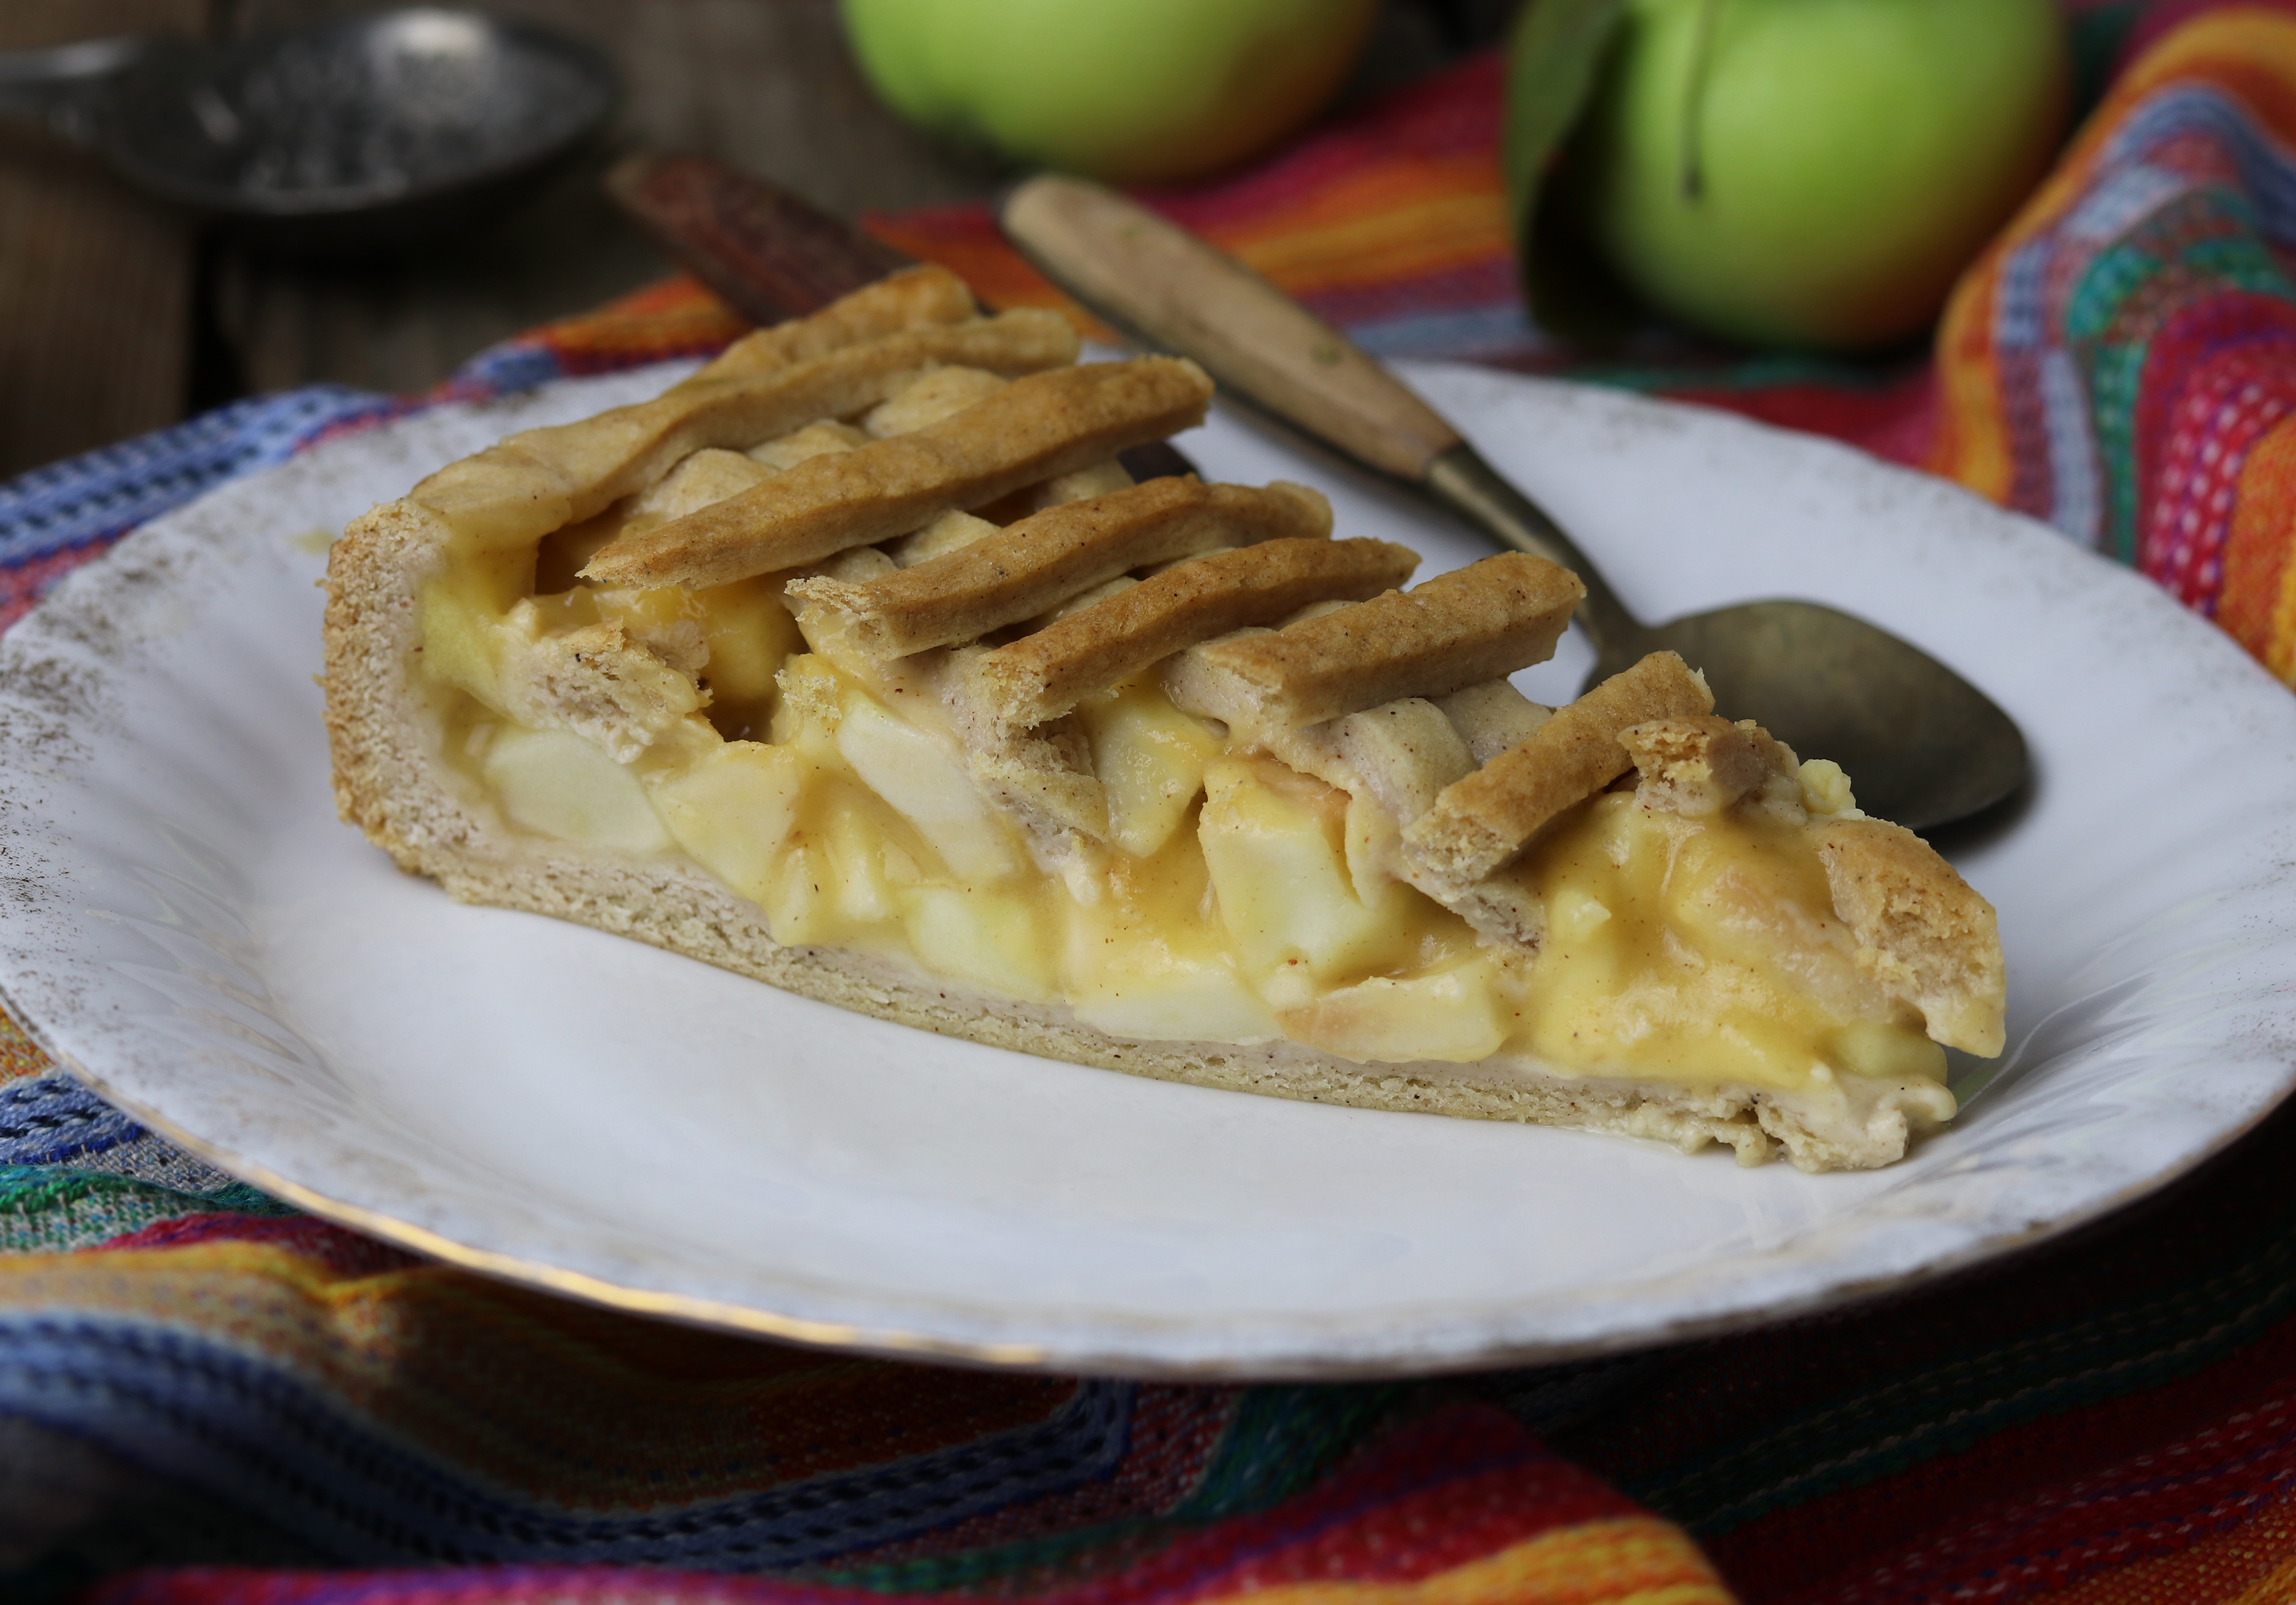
[118, 316]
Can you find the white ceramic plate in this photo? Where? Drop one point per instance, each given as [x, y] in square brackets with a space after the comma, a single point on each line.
[191, 929]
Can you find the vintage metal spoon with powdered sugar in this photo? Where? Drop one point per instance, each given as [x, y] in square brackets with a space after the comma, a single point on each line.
[348, 136]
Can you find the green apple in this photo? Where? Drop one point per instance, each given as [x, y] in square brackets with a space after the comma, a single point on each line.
[1815, 173]
[1132, 91]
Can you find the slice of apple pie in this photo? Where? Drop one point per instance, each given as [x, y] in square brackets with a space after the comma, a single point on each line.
[857, 663]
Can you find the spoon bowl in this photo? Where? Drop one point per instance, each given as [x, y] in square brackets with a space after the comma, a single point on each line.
[374, 132]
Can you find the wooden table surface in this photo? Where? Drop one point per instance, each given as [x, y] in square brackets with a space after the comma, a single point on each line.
[118, 316]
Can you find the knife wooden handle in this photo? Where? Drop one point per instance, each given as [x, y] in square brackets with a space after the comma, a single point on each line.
[766, 254]
[1177, 293]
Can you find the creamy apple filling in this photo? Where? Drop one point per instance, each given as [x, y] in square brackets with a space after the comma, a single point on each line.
[1226, 907]
[1228, 896]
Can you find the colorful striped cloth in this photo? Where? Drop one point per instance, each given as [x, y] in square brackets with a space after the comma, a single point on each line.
[2123, 361]
[205, 1396]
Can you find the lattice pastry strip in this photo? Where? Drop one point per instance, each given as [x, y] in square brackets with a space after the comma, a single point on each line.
[1047, 423]
[1473, 625]
[1043, 675]
[1484, 819]
[1006, 576]
[915, 298]
[544, 478]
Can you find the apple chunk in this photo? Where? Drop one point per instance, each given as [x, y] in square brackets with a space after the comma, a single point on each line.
[927, 783]
[1274, 843]
[990, 938]
[1195, 1003]
[734, 810]
[556, 784]
[1454, 1016]
[1150, 758]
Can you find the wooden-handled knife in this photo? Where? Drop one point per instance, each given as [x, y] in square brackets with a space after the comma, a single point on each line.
[768, 254]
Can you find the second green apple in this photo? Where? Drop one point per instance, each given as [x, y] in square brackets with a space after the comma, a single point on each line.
[1815, 173]
[1131, 91]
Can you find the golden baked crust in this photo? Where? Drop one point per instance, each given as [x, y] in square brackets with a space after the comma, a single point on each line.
[1470, 627]
[1921, 930]
[545, 479]
[1484, 819]
[1701, 764]
[1043, 675]
[1032, 566]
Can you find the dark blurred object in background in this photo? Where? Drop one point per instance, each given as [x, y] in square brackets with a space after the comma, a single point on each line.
[1467, 23]
[360, 136]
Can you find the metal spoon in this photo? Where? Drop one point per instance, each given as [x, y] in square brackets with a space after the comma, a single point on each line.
[1923, 744]
[346, 137]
